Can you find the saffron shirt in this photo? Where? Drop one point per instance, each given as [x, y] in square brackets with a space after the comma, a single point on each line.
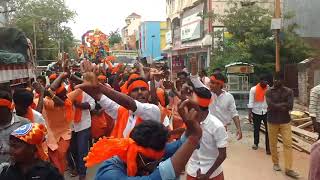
[145, 111]
[222, 106]
[214, 136]
[57, 125]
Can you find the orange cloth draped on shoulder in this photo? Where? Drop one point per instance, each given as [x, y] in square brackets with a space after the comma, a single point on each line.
[121, 123]
[125, 148]
[161, 96]
[29, 115]
[33, 134]
[260, 93]
[78, 111]
[6, 103]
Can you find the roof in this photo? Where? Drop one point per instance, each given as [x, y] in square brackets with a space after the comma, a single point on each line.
[238, 63]
[134, 15]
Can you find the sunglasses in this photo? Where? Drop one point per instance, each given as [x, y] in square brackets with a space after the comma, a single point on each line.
[149, 165]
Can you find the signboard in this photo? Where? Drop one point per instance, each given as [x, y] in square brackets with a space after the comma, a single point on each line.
[177, 63]
[169, 37]
[240, 69]
[191, 27]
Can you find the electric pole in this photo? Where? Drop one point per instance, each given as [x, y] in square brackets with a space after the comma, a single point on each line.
[277, 15]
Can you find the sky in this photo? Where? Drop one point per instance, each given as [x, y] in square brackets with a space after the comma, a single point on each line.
[109, 15]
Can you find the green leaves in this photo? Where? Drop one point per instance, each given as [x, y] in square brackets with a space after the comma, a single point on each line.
[253, 41]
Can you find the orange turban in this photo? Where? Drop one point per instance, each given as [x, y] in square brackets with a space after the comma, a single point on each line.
[6, 103]
[34, 134]
[125, 148]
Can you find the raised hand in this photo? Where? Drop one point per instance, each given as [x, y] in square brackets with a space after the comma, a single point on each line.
[91, 89]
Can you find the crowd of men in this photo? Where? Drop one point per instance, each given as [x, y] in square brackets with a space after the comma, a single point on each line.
[136, 122]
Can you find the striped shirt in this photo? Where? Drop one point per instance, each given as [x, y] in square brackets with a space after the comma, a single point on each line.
[314, 107]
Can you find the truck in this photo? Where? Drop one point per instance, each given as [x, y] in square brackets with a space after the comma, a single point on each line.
[17, 65]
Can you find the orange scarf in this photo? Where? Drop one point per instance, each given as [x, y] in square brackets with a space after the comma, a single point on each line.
[260, 93]
[125, 148]
[161, 97]
[69, 110]
[121, 123]
[78, 112]
[6, 103]
[30, 115]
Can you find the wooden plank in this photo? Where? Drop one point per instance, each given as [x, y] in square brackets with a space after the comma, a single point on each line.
[302, 119]
[304, 125]
[303, 132]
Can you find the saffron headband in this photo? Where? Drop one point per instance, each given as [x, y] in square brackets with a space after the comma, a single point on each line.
[138, 84]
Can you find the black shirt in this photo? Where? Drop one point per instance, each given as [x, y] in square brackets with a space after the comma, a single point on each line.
[280, 102]
[40, 171]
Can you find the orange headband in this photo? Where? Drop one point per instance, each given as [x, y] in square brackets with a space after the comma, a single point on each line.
[6, 103]
[203, 102]
[53, 76]
[214, 79]
[102, 77]
[125, 148]
[161, 97]
[138, 84]
[32, 133]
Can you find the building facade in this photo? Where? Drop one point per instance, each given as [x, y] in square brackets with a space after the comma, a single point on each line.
[128, 33]
[151, 39]
[190, 33]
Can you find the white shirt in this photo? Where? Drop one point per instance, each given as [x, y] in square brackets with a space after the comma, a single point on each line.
[214, 136]
[38, 118]
[85, 121]
[223, 106]
[145, 111]
[259, 108]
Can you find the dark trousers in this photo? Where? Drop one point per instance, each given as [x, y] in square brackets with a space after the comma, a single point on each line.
[79, 148]
[257, 119]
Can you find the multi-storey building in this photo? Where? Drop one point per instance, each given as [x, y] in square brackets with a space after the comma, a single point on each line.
[128, 33]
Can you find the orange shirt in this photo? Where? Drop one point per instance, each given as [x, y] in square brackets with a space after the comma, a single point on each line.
[57, 125]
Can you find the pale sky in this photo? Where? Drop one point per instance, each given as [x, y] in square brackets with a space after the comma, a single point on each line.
[108, 15]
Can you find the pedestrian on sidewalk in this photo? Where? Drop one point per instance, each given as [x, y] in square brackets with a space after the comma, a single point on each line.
[257, 108]
[314, 108]
[205, 163]
[28, 156]
[280, 102]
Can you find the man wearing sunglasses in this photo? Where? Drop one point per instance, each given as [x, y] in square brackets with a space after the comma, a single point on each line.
[146, 154]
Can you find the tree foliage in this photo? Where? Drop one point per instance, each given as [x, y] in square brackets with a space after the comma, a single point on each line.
[253, 41]
[49, 17]
[114, 37]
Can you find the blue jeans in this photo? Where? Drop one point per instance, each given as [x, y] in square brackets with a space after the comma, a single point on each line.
[79, 148]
